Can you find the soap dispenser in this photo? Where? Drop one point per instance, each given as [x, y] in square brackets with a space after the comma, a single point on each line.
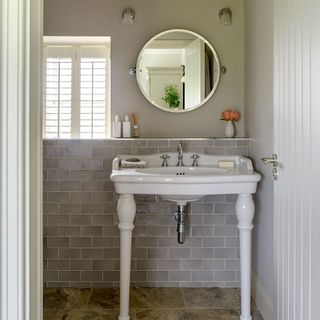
[126, 127]
[135, 126]
[116, 127]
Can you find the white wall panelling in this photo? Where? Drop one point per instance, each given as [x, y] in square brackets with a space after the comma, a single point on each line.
[297, 116]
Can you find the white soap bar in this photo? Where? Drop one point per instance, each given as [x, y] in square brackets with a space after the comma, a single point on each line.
[130, 164]
[226, 164]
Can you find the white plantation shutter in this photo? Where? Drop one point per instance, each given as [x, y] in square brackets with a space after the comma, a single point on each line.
[93, 91]
[77, 91]
[58, 92]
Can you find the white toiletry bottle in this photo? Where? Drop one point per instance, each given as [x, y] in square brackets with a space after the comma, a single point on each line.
[116, 127]
[126, 127]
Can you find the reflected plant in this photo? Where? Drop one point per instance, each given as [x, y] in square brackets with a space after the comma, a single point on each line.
[171, 96]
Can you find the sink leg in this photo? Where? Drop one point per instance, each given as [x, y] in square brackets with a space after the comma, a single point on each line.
[245, 213]
[126, 212]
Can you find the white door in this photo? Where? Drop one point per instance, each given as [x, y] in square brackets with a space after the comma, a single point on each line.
[297, 143]
[194, 73]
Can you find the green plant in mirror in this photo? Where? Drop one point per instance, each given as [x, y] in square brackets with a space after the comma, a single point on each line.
[171, 96]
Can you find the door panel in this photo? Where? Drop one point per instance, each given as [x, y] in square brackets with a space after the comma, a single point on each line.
[297, 133]
[194, 73]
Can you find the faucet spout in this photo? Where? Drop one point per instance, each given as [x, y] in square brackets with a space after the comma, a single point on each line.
[180, 155]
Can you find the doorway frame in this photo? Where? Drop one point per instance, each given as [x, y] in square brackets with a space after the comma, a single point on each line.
[21, 157]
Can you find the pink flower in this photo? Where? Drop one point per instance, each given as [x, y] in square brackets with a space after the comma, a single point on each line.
[226, 115]
[236, 115]
[229, 114]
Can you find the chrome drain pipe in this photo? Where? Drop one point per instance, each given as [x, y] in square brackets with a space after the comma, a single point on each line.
[179, 218]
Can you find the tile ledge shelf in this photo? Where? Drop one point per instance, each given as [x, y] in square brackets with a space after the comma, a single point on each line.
[159, 143]
[139, 139]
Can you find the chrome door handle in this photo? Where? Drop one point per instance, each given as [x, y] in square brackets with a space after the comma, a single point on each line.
[273, 160]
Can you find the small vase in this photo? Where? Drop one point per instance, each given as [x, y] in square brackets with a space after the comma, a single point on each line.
[229, 129]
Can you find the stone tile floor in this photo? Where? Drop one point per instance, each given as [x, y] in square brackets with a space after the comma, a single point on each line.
[145, 304]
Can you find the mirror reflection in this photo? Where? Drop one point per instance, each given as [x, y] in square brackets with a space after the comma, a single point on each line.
[178, 70]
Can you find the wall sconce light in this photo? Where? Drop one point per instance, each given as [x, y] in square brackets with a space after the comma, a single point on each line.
[128, 15]
[225, 16]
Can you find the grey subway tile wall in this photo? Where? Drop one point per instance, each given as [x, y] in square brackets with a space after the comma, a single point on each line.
[81, 237]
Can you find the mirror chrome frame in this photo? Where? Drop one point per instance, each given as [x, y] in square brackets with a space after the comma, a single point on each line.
[218, 71]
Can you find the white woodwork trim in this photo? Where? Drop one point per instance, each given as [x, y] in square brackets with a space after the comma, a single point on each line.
[261, 297]
[36, 205]
[165, 71]
[20, 147]
[315, 156]
[81, 40]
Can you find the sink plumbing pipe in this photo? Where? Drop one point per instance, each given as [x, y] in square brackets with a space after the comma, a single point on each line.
[179, 218]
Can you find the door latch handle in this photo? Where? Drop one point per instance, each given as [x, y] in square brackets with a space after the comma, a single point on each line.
[274, 161]
[271, 160]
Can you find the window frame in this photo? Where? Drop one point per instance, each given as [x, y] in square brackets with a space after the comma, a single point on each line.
[76, 44]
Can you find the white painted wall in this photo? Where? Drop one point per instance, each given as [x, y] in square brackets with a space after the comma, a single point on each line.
[103, 18]
[259, 127]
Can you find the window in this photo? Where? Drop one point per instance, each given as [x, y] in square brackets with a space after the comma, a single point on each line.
[77, 88]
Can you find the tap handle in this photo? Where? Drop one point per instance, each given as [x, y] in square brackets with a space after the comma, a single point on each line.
[179, 147]
[195, 156]
[165, 161]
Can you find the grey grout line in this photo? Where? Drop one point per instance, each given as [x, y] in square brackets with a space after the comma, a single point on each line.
[91, 291]
[184, 298]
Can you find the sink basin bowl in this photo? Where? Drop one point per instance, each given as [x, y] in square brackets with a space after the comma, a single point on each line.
[184, 184]
[182, 171]
[181, 199]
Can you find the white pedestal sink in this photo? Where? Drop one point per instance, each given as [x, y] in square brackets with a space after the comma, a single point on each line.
[182, 185]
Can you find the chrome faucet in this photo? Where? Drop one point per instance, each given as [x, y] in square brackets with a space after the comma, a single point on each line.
[195, 158]
[180, 156]
[165, 158]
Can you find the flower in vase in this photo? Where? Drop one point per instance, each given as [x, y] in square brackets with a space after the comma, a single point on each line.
[230, 115]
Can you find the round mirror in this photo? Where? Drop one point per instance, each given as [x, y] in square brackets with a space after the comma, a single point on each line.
[178, 70]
